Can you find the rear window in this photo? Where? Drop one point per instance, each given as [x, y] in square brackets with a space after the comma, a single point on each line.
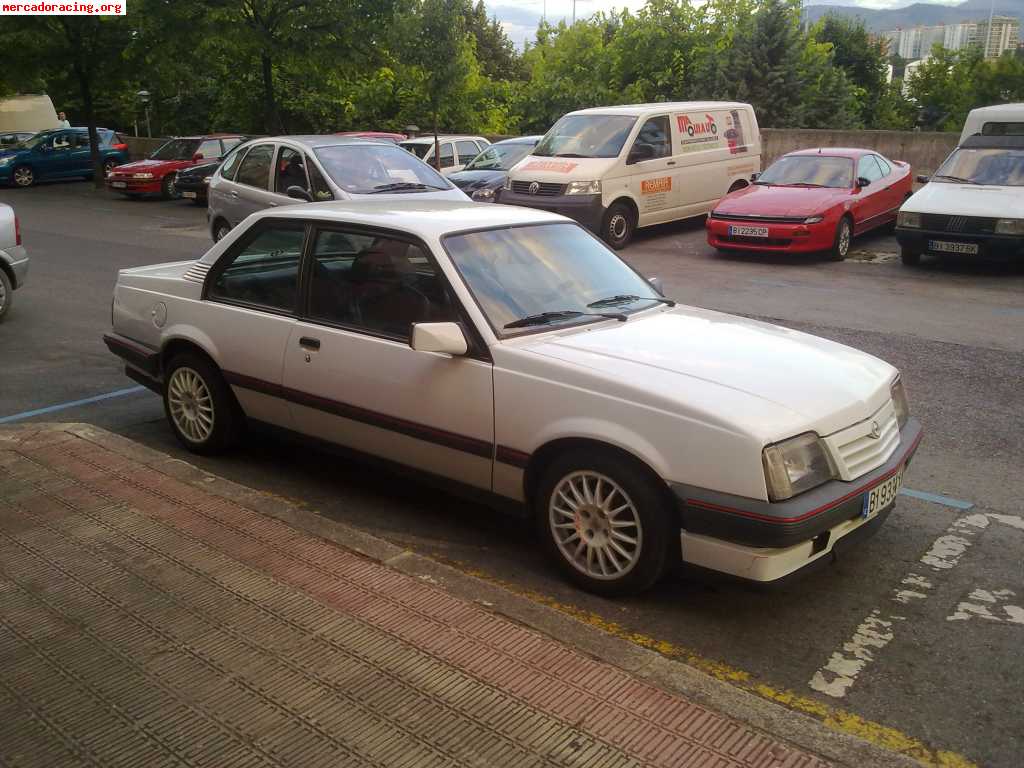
[1002, 129]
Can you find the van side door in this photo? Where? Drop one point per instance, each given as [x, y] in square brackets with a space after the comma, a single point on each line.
[652, 171]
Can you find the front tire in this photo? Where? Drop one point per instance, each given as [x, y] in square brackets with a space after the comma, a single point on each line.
[220, 230]
[109, 165]
[6, 294]
[199, 405]
[604, 521]
[167, 189]
[618, 225]
[844, 236]
[23, 176]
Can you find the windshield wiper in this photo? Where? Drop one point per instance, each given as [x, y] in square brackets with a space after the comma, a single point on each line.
[957, 179]
[569, 154]
[628, 298]
[800, 184]
[400, 185]
[561, 314]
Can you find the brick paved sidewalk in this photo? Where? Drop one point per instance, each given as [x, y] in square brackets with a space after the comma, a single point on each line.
[145, 621]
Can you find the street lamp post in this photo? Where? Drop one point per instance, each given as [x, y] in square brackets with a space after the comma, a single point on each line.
[144, 99]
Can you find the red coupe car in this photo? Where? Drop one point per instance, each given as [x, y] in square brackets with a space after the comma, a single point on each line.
[811, 200]
[155, 175]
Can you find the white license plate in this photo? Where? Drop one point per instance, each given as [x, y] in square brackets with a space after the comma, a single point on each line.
[748, 231]
[118, 184]
[189, 195]
[947, 247]
[882, 495]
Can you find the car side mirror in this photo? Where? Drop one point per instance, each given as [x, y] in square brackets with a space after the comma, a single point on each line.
[197, 156]
[754, 176]
[862, 182]
[657, 284]
[299, 193]
[639, 153]
[922, 179]
[446, 338]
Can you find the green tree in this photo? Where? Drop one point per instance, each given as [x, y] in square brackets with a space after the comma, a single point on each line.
[495, 53]
[861, 58]
[828, 99]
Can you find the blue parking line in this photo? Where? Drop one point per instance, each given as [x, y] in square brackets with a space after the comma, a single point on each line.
[72, 404]
[935, 498]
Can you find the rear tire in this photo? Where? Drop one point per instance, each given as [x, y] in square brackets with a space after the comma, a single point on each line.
[910, 258]
[6, 294]
[618, 225]
[844, 236]
[108, 166]
[199, 405]
[604, 521]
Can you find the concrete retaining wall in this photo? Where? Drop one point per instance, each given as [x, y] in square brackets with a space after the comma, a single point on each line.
[924, 151]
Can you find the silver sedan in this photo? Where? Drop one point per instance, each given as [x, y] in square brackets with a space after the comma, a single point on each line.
[13, 258]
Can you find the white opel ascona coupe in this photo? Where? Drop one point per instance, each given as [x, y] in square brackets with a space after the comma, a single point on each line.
[507, 350]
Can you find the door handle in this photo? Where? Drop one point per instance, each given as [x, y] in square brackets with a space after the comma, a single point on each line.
[671, 162]
[234, 193]
[309, 343]
[272, 204]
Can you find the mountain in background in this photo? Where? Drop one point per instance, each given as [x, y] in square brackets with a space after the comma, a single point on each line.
[918, 14]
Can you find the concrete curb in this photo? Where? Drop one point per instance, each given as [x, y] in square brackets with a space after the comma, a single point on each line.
[673, 676]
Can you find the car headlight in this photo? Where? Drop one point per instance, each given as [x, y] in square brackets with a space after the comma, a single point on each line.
[142, 175]
[908, 219]
[796, 465]
[508, 183]
[206, 180]
[900, 403]
[1010, 226]
[5, 160]
[583, 187]
[814, 219]
[485, 195]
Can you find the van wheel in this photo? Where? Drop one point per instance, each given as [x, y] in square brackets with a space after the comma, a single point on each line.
[619, 223]
[199, 405]
[909, 258]
[844, 236]
[23, 176]
[604, 522]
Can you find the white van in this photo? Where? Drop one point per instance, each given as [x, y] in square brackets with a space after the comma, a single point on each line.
[999, 120]
[28, 113]
[614, 169]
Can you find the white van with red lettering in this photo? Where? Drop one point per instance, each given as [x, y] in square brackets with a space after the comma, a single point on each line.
[614, 169]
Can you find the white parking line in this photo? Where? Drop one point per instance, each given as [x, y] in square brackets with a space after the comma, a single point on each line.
[986, 601]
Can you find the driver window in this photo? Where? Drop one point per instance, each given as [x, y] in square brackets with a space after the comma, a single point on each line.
[62, 141]
[376, 284]
[868, 169]
[447, 155]
[291, 171]
[318, 184]
[209, 149]
[656, 134]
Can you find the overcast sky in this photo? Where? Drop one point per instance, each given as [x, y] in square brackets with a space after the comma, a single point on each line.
[520, 20]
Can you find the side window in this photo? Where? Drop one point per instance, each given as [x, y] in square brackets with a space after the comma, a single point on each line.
[210, 149]
[265, 271]
[318, 186]
[467, 151]
[229, 167]
[290, 171]
[63, 141]
[868, 169]
[483, 144]
[653, 141]
[377, 284]
[255, 168]
[230, 144]
[447, 154]
[886, 168]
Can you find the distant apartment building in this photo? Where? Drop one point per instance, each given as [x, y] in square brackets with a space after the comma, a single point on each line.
[916, 43]
[1004, 35]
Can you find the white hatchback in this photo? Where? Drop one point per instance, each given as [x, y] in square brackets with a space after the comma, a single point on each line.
[508, 351]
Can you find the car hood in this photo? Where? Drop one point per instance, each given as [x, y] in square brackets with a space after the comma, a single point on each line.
[562, 169]
[967, 200]
[12, 152]
[152, 166]
[200, 171]
[746, 375]
[768, 200]
[472, 180]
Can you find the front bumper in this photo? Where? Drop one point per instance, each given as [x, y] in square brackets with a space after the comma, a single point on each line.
[198, 188]
[585, 209]
[785, 237]
[989, 246]
[135, 186]
[765, 541]
[16, 258]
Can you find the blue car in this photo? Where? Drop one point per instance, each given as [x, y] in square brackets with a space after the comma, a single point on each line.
[59, 154]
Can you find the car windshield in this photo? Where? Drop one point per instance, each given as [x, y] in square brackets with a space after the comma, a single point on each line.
[586, 136]
[176, 149]
[499, 157]
[810, 170]
[34, 141]
[998, 167]
[418, 148]
[366, 169]
[525, 272]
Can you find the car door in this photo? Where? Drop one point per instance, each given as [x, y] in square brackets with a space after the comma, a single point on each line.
[889, 182]
[250, 190]
[249, 306]
[652, 170]
[871, 204]
[352, 377]
[58, 155]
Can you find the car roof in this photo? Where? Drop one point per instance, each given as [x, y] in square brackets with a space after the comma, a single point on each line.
[313, 141]
[635, 110]
[441, 137]
[521, 140]
[423, 218]
[999, 110]
[849, 152]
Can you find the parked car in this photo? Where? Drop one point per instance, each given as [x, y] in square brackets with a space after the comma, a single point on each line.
[10, 139]
[285, 170]
[972, 206]
[156, 174]
[485, 174]
[60, 154]
[13, 258]
[614, 169]
[394, 138]
[456, 151]
[191, 183]
[998, 120]
[814, 200]
[508, 351]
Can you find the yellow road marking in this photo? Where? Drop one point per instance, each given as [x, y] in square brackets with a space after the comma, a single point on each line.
[834, 718]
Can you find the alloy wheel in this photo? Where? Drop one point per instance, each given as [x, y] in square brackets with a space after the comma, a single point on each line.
[23, 177]
[596, 525]
[191, 404]
[843, 246]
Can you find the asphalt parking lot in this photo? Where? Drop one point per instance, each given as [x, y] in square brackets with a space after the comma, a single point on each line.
[912, 640]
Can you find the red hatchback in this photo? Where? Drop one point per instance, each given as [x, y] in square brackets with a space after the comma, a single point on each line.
[155, 175]
[811, 200]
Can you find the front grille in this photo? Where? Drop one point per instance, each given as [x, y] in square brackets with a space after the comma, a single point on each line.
[776, 241]
[755, 218]
[855, 451]
[196, 273]
[547, 188]
[958, 225]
